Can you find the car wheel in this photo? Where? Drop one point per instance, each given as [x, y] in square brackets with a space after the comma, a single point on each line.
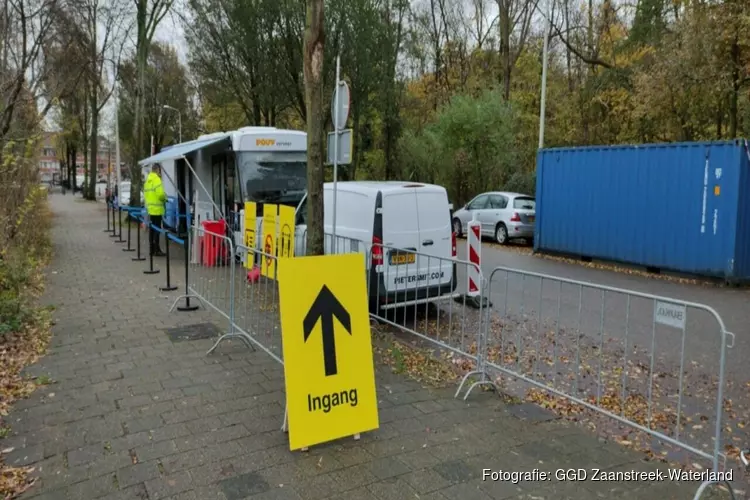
[501, 234]
[456, 226]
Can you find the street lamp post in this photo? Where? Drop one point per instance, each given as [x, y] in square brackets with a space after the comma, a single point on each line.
[179, 118]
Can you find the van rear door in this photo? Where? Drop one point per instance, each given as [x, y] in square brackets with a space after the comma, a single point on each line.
[434, 236]
[400, 239]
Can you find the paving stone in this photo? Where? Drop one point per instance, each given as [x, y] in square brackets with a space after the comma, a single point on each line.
[94, 488]
[128, 442]
[138, 473]
[419, 459]
[155, 450]
[384, 468]
[166, 486]
[183, 461]
[181, 415]
[456, 471]
[212, 492]
[85, 455]
[355, 476]
[359, 493]
[245, 485]
[168, 432]
[392, 489]
[425, 481]
[284, 493]
[24, 456]
[505, 489]
[468, 491]
[144, 424]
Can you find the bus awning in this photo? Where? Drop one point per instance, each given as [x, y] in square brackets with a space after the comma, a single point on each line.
[180, 150]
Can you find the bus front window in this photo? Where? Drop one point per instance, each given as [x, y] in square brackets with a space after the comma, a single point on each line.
[272, 177]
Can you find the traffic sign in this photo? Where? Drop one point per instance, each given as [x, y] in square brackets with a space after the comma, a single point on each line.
[268, 265]
[250, 228]
[340, 114]
[344, 144]
[328, 366]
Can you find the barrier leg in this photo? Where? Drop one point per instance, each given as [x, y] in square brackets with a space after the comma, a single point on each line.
[119, 233]
[187, 306]
[114, 225]
[169, 287]
[106, 230]
[129, 249]
[138, 241]
[150, 269]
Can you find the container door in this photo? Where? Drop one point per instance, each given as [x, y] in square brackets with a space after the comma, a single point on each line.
[435, 237]
[401, 240]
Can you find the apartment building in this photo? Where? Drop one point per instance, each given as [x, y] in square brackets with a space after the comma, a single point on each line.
[49, 158]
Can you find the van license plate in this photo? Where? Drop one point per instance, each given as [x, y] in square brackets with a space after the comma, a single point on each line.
[531, 218]
[402, 258]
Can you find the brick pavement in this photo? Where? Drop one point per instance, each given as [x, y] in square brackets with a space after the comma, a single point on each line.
[132, 415]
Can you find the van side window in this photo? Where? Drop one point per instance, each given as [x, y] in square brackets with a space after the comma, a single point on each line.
[479, 202]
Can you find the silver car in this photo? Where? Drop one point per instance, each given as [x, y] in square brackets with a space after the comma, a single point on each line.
[503, 216]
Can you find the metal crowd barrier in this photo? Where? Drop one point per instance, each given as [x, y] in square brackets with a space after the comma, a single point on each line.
[331, 244]
[605, 349]
[256, 297]
[637, 359]
[437, 309]
[209, 272]
[256, 312]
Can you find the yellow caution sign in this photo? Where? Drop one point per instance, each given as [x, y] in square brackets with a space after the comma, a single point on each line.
[268, 265]
[285, 242]
[328, 366]
[250, 228]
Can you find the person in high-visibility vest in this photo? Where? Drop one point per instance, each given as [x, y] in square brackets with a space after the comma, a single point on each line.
[155, 198]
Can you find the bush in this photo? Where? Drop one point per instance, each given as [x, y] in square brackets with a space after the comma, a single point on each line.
[24, 238]
[522, 182]
[469, 148]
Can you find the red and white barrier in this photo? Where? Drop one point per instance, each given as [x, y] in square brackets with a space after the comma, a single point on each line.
[474, 244]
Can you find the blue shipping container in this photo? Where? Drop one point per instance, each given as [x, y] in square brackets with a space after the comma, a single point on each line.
[682, 207]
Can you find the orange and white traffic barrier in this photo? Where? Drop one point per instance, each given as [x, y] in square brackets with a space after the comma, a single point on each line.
[474, 244]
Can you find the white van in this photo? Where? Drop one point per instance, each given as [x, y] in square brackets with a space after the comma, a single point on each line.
[405, 229]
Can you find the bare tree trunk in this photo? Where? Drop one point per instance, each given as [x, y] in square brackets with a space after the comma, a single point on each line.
[94, 97]
[504, 23]
[357, 133]
[86, 129]
[140, 147]
[71, 165]
[313, 72]
[149, 13]
[568, 57]
[94, 144]
[734, 96]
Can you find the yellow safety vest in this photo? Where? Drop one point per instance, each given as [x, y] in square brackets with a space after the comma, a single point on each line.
[153, 192]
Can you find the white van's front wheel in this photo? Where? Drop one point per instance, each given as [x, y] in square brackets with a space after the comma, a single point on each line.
[456, 226]
[501, 234]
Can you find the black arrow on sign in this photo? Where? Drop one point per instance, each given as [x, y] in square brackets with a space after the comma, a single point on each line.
[325, 308]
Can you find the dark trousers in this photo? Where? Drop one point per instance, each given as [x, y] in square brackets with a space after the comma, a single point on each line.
[153, 234]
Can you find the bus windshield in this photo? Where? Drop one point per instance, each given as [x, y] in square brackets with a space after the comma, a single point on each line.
[273, 177]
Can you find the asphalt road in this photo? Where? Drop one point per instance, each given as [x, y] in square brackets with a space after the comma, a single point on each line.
[524, 295]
